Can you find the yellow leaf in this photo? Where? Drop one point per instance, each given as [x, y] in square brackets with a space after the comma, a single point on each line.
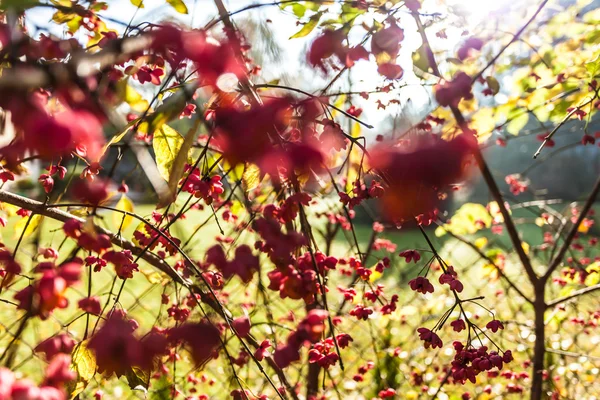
[490, 271]
[515, 126]
[182, 159]
[179, 6]
[583, 228]
[540, 221]
[10, 210]
[339, 103]
[74, 388]
[308, 27]
[170, 109]
[374, 275]
[356, 129]
[26, 226]
[481, 242]
[137, 378]
[167, 143]
[122, 221]
[142, 229]
[153, 277]
[83, 361]
[468, 219]
[138, 3]
[135, 99]
[251, 177]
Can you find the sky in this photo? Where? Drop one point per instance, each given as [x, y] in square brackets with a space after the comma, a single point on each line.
[414, 100]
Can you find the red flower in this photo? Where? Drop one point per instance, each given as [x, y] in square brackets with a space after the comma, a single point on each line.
[421, 284]
[202, 339]
[91, 192]
[116, 347]
[430, 338]
[410, 255]
[387, 40]
[458, 325]
[452, 92]
[325, 46]
[470, 44]
[417, 171]
[123, 262]
[332, 137]
[90, 305]
[588, 139]
[59, 371]
[7, 380]
[245, 264]
[61, 343]
[494, 325]
[242, 326]
[390, 70]
[262, 352]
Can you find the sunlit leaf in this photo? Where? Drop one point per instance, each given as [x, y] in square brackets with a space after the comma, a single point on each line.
[135, 99]
[137, 378]
[308, 27]
[420, 59]
[153, 277]
[75, 388]
[83, 361]
[26, 226]
[298, 9]
[251, 177]
[166, 143]
[481, 242]
[517, 124]
[468, 219]
[181, 159]
[179, 6]
[122, 221]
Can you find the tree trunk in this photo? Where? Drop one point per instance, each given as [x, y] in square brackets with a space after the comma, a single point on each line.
[540, 342]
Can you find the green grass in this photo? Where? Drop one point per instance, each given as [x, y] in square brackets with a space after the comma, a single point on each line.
[141, 296]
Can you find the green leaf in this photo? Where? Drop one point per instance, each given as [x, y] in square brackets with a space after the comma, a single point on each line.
[179, 6]
[309, 26]
[420, 59]
[26, 226]
[493, 84]
[298, 9]
[515, 126]
[167, 143]
[18, 5]
[122, 221]
[593, 66]
[83, 361]
[161, 389]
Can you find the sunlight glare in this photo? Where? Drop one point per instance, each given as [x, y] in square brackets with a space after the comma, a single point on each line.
[478, 9]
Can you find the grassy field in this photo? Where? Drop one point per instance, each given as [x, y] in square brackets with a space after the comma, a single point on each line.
[141, 296]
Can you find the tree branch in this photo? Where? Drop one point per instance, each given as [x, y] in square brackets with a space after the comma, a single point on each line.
[571, 235]
[573, 295]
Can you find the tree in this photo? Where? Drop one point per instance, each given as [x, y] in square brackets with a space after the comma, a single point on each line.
[249, 275]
